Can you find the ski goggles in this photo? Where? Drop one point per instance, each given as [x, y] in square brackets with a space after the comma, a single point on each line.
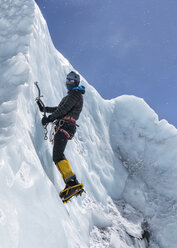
[70, 81]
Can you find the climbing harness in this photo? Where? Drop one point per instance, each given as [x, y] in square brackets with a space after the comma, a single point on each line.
[56, 127]
[41, 102]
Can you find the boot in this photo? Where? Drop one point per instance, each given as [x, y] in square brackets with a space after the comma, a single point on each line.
[72, 188]
[71, 181]
[65, 169]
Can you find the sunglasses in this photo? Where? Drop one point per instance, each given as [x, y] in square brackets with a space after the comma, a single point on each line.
[70, 81]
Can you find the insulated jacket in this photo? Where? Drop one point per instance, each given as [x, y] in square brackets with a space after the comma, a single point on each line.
[71, 105]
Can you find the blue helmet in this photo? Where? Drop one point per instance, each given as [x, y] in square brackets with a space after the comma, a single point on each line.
[72, 80]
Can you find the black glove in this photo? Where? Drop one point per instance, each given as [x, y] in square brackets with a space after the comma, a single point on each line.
[45, 120]
[41, 107]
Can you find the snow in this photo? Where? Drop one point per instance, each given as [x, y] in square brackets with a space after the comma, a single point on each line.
[125, 156]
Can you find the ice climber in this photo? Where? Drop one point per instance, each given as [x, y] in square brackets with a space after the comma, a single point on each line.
[66, 115]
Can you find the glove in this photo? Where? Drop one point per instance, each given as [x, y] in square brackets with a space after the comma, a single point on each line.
[41, 108]
[45, 120]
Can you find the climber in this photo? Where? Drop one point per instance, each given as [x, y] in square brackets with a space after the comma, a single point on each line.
[66, 115]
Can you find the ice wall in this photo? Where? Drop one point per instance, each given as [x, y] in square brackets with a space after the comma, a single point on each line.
[120, 151]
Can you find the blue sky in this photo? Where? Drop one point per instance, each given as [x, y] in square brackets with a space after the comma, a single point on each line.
[120, 46]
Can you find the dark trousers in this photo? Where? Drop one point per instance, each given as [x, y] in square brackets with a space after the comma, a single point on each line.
[60, 142]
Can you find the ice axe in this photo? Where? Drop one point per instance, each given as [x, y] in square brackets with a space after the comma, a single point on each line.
[38, 98]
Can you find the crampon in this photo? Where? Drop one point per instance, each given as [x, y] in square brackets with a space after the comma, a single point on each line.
[69, 192]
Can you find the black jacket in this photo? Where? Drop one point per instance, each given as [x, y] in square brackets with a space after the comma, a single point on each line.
[70, 105]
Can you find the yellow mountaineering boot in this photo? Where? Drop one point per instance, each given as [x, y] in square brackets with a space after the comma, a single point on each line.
[73, 187]
[65, 169]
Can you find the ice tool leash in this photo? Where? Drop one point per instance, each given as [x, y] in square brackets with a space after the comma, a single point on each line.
[41, 102]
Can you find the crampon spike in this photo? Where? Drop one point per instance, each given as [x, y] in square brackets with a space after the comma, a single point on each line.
[68, 193]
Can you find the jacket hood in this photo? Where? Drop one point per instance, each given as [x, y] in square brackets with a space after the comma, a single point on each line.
[80, 88]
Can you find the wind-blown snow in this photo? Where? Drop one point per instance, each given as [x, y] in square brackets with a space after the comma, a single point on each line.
[125, 156]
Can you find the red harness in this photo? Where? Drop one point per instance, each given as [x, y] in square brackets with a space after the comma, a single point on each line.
[69, 118]
[65, 118]
[66, 133]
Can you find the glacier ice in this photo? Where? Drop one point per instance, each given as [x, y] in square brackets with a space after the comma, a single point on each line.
[123, 154]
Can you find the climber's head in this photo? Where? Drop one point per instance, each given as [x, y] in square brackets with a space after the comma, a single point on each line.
[72, 80]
